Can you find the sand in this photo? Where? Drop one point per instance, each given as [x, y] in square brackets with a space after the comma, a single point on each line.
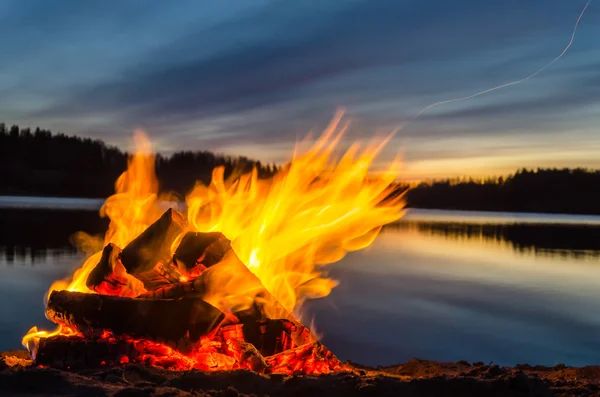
[18, 377]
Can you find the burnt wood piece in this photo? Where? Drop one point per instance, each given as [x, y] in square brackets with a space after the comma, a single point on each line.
[72, 353]
[104, 268]
[148, 256]
[175, 322]
[313, 357]
[64, 352]
[209, 282]
[188, 289]
[246, 355]
[163, 273]
[109, 276]
[270, 336]
[206, 249]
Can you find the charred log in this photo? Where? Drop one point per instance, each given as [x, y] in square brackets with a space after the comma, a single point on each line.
[176, 322]
[313, 357]
[210, 284]
[246, 355]
[201, 249]
[278, 334]
[148, 256]
[270, 336]
[163, 273]
[64, 352]
[104, 268]
[77, 353]
[109, 276]
[189, 289]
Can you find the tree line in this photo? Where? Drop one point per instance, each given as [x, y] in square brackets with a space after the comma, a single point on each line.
[550, 190]
[38, 162]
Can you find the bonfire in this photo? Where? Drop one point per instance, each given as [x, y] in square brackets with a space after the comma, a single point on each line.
[219, 283]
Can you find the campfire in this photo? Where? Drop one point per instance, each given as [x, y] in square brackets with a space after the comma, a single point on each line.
[220, 284]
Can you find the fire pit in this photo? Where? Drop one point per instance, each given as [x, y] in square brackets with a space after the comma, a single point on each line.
[214, 287]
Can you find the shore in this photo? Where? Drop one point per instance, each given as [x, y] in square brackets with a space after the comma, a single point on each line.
[18, 377]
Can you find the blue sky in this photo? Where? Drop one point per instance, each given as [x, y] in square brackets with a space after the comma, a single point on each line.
[249, 77]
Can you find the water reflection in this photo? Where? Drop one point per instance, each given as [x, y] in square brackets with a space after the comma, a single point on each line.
[567, 240]
[40, 229]
[448, 296]
[25, 275]
[32, 256]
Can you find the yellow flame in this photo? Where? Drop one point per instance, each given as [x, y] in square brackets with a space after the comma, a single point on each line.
[309, 214]
[131, 210]
[284, 228]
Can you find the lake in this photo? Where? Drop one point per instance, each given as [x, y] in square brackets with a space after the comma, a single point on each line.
[439, 285]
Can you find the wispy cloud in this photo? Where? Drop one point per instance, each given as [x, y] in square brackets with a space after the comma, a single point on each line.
[229, 74]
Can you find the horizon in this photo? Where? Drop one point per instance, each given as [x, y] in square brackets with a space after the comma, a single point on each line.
[412, 182]
[249, 79]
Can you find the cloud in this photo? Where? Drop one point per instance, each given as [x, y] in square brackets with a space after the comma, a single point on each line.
[263, 73]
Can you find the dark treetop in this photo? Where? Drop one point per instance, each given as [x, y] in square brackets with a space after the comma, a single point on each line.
[568, 191]
[41, 163]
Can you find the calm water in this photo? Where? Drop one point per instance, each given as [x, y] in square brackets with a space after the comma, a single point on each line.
[508, 288]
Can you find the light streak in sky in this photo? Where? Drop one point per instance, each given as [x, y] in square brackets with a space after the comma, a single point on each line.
[398, 129]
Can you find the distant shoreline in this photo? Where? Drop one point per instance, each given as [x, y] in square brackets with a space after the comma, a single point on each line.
[412, 213]
[39, 163]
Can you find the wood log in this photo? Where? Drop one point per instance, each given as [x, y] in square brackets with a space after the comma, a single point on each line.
[201, 249]
[178, 323]
[81, 353]
[104, 268]
[270, 336]
[71, 353]
[163, 273]
[312, 358]
[109, 277]
[189, 289]
[148, 256]
[64, 352]
[208, 282]
[246, 355]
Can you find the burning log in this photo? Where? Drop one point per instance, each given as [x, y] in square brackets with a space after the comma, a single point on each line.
[77, 352]
[246, 355]
[208, 281]
[201, 249]
[270, 336]
[188, 289]
[311, 358]
[273, 335]
[73, 352]
[177, 314]
[177, 322]
[109, 276]
[147, 257]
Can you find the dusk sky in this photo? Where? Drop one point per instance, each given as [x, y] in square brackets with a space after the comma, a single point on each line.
[249, 77]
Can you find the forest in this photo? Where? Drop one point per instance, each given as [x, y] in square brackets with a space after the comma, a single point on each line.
[41, 163]
[566, 191]
[38, 162]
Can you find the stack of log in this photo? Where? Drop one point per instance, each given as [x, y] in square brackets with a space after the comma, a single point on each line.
[173, 311]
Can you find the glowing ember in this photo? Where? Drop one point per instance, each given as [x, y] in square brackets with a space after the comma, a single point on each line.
[282, 231]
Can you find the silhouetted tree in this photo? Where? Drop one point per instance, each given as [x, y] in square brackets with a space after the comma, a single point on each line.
[572, 191]
[41, 163]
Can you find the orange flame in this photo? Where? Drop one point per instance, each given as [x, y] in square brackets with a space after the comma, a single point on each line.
[311, 213]
[284, 228]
